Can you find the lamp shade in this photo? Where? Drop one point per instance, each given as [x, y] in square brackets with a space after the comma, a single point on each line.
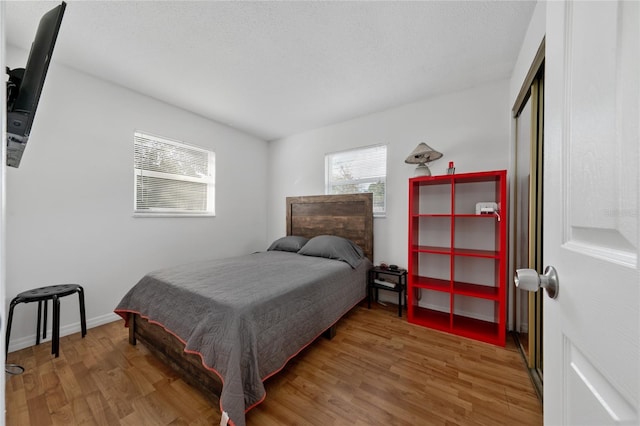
[422, 154]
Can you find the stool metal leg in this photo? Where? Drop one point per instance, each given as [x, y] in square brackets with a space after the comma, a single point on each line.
[39, 322]
[55, 344]
[83, 318]
[14, 302]
[46, 315]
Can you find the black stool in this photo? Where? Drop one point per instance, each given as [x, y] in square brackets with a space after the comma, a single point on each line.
[43, 294]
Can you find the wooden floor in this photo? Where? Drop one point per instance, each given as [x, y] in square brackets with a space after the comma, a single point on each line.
[378, 370]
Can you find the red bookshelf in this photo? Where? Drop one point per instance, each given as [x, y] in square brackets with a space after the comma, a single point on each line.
[457, 258]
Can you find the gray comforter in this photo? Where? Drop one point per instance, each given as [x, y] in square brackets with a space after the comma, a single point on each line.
[247, 316]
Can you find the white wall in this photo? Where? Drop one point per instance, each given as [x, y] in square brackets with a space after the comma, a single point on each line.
[470, 127]
[70, 203]
[533, 37]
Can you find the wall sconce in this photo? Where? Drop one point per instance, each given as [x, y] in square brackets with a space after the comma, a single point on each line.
[422, 155]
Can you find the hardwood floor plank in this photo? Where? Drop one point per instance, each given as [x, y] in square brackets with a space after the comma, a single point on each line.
[38, 411]
[378, 370]
[81, 412]
[68, 381]
[153, 409]
[65, 416]
[101, 410]
[303, 404]
[117, 389]
[17, 400]
[185, 408]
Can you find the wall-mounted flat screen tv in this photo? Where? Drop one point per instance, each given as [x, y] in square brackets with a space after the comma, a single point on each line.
[24, 85]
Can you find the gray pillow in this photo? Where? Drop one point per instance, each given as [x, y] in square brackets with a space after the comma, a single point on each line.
[290, 243]
[333, 247]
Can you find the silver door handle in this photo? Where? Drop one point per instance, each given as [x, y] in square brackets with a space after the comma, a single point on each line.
[530, 280]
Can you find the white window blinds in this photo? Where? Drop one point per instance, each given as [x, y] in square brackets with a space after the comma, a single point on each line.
[357, 171]
[172, 177]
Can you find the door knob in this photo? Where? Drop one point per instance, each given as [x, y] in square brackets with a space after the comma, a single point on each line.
[530, 280]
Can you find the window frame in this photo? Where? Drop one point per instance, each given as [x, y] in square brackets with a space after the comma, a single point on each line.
[371, 180]
[167, 212]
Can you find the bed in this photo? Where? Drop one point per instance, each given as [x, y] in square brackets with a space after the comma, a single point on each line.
[241, 319]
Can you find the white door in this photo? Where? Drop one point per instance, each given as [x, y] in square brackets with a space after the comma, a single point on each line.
[591, 215]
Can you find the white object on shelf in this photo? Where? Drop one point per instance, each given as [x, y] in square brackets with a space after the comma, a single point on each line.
[486, 207]
[385, 283]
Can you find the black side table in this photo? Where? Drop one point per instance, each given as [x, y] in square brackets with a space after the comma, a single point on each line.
[387, 279]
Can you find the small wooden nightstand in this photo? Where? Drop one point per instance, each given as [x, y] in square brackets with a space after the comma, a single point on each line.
[387, 279]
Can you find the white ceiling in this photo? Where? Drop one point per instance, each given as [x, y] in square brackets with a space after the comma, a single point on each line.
[273, 69]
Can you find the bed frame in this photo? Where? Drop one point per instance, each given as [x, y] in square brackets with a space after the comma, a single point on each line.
[349, 216]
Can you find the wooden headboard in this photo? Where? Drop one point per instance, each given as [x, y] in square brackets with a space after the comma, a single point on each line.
[348, 216]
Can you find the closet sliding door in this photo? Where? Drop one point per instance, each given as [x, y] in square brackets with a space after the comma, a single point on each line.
[527, 249]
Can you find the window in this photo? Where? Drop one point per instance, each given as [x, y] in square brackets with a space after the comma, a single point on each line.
[172, 178]
[357, 171]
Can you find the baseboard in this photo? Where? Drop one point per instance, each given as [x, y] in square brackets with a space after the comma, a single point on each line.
[27, 341]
